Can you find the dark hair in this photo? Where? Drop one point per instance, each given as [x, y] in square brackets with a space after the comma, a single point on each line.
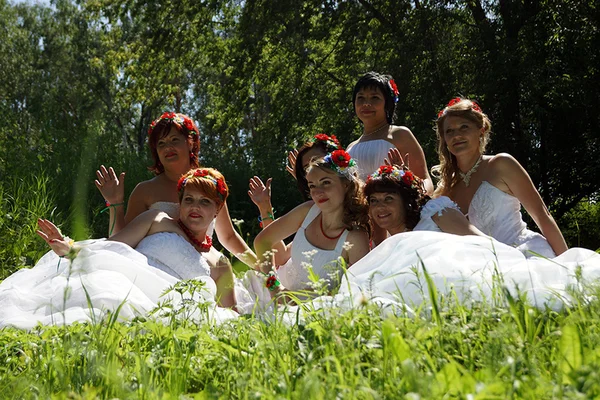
[376, 80]
[299, 168]
[161, 130]
[412, 198]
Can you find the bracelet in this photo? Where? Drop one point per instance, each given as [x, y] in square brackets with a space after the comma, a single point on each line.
[108, 207]
[272, 282]
[270, 215]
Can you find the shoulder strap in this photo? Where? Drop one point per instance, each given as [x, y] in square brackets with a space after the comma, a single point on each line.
[312, 214]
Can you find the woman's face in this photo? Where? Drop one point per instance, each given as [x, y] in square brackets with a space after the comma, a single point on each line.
[461, 135]
[173, 148]
[369, 105]
[326, 188]
[387, 211]
[197, 210]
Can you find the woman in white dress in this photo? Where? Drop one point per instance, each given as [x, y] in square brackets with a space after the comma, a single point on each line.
[490, 189]
[174, 145]
[82, 281]
[336, 216]
[474, 266]
[374, 99]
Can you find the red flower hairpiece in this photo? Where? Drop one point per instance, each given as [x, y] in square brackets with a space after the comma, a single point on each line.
[456, 100]
[394, 89]
[401, 174]
[179, 120]
[204, 173]
[331, 142]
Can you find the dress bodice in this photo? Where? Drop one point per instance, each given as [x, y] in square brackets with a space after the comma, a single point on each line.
[172, 209]
[369, 155]
[294, 276]
[174, 255]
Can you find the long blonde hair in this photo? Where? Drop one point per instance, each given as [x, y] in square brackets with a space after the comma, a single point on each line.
[446, 170]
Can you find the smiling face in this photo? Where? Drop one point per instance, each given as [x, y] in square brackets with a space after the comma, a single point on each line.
[387, 211]
[173, 148]
[369, 105]
[461, 135]
[326, 188]
[196, 209]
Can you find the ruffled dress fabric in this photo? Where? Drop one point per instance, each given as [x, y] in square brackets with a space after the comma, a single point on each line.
[104, 277]
[369, 156]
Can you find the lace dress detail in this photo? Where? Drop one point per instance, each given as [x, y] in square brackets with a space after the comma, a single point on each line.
[174, 255]
[172, 209]
[432, 207]
[498, 214]
[293, 274]
[369, 155]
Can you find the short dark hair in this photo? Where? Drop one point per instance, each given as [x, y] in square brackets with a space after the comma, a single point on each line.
[374, 79]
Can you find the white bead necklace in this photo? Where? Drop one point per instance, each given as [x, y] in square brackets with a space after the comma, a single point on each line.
[466, 177]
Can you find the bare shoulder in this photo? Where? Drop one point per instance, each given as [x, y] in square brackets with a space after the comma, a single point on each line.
[216, 259]
[358, 234]
[503, 162]
[401, 132]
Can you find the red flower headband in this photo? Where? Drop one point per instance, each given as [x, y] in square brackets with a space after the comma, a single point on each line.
[180, 120]
[341, 162]
[331, 142]
[403, 175]
[394, 89]
[204, 173]
[456, 100]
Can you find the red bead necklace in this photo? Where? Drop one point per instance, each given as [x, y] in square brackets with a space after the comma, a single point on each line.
[323, 231]
[203, 247]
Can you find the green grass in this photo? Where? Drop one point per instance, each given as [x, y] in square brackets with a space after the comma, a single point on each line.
[481, 351]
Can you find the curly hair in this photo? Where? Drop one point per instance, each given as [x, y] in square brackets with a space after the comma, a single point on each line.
[446, 170]
[160, 131]
[376, 80]
[413, 198]
[356, 209]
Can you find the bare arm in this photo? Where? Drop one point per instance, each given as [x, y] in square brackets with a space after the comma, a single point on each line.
[453, 221]
[112, 189]
[231, 240]
[260, 194]
[222, 274]
[359, 245]
[280, 229]
[406, 142]
[520, 185]
[147, 223]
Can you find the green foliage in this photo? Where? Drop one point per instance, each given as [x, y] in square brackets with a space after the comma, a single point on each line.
[22, 202]
[581, 226]
[474, 350]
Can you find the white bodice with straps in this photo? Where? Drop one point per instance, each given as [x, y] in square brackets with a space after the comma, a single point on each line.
[369, 155]
[294, 275]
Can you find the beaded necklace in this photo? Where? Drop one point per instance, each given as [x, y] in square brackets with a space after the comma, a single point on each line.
[203, 247]
[323, 231]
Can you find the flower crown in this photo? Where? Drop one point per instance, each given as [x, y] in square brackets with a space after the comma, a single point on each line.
[341, 162]
[394, 89]
[331, 142]
[180, 121]
[204, 173]
[403, 175]
[456, 100]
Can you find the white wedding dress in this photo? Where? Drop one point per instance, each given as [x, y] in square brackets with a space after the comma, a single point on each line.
[474, 267]
[104, 276]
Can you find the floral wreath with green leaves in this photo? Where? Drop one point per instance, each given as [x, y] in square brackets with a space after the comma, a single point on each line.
[341, 162]
[181, 121]
[474, 106]
[205, 174]
[331, 142]
[401, 174]
[394, 88]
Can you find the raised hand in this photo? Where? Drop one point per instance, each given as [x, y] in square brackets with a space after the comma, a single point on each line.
[395, 158]
[51, 235]
[260, 193]
[111, 187]
[291, 164]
